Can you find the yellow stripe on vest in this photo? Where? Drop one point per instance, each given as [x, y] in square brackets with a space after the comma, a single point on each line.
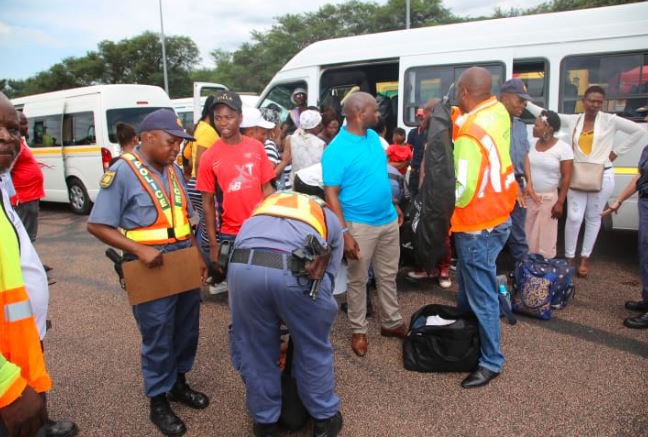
[295, 206]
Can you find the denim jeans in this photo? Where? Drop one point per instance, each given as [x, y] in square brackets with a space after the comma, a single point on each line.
[476, 271]
[643, 247]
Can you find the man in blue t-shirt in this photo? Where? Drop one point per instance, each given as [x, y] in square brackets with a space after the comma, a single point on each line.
[358, 192]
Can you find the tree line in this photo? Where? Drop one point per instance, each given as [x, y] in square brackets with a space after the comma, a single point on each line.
[252, 65]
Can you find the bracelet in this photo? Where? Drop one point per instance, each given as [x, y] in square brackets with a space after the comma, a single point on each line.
[345, 230]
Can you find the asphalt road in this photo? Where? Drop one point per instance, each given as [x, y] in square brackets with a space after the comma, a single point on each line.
[582, 373]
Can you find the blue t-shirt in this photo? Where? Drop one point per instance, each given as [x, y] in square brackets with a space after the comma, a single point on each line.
[126, 204]
[357, 165]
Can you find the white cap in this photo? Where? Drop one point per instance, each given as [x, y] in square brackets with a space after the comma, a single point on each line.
[252, 117]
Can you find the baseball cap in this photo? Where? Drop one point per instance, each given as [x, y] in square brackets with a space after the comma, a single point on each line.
[517, 87]
[165, 120]
[270, 114]
[309, 119]
[252, 117]
[230, 99]
[642, 110]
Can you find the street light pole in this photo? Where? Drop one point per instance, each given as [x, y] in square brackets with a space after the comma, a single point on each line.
[164, 61]
[407, 14]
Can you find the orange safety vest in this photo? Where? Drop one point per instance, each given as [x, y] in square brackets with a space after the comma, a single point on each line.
[495, 196]
[296, 206]
[20, 346]
[172, 222]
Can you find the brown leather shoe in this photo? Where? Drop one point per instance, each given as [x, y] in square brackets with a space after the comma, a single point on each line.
[400, 331]
[359, 344]
[583, 267]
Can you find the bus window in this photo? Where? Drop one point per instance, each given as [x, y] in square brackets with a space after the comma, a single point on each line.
[624, 77]
[45, 131]
[535, 75]
[425, 83]
[279, 98]
[132, 116]
[79, 129]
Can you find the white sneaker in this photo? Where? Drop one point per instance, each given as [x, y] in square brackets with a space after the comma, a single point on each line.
[218, 288]
[418, 275]
[445, 282]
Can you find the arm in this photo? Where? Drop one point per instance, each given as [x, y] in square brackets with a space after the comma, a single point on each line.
[150, 256]
[23, 411]
[629, 190]
[635, 136]
[286, 156]
[267, 189]
[529, 184]
[199, 151]
[351, 247]
[566, 168]
[566, 120]
[209, 209]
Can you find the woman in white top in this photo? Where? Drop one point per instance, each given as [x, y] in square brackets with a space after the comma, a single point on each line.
[304, 148]
[592, 134]
[548, 168]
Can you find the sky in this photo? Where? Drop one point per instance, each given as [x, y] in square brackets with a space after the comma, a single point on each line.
[36, 34]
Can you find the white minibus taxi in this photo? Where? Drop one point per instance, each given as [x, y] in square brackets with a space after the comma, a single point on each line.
[72, 133]
[558, 55]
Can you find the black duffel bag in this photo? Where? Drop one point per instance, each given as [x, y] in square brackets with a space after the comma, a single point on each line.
[448, 348]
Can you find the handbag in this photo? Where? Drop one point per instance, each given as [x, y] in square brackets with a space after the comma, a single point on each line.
[587, 176]
[536, 283]
[453, 347]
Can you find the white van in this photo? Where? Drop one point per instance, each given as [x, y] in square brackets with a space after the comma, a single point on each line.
[558, 55]
[72, 133]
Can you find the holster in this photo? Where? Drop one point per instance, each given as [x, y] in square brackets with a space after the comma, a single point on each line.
[317, 267]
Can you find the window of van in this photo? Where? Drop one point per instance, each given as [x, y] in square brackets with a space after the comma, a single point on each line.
[132, 116]
[535, 75]
[424, 83]
[623, 76]
[279, 98]
[45, 131]
[79, 129]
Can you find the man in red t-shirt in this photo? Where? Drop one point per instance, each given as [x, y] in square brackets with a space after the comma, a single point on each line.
[237, 167]
[27, 178]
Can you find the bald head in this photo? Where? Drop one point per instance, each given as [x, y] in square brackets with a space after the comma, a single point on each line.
[473, 87]
[9, 133]
[361, 112]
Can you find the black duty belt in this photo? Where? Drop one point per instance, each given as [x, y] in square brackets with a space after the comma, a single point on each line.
[643, 194]
[265, 258]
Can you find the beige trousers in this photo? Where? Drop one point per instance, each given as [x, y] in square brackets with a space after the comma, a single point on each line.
[379, 247]
[541, 229]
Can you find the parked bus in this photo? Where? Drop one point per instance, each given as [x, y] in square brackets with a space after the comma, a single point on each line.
[558, 55]
[72, 133]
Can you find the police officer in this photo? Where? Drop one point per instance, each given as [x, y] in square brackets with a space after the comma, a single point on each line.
[264, 291]
[144, 195]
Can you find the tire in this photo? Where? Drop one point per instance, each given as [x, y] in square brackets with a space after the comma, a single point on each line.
[78, 195]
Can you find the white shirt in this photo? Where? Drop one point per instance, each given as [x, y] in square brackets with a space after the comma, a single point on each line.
[545, 166]
[32, 268]
[306, 149]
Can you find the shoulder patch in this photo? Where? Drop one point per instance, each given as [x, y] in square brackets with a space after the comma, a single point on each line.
[107, 179]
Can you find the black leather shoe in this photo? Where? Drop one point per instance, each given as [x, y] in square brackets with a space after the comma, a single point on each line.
[639, 322]
[265, 430]
[165, 419]
[181, 392]
[634, 305]
[328, 427]
[479, 378]
[61, 428]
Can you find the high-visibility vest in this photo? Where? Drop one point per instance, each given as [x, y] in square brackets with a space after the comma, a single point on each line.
[172, 223]
[296, 206]
[496, 191]
[21, 357]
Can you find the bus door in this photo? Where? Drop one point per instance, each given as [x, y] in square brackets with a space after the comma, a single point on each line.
[46, 141]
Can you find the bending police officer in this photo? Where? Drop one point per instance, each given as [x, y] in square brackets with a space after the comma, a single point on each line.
[144, 195]
[265, 290]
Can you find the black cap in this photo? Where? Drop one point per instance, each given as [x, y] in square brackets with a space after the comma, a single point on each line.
[165, 120]
[517, 87]
[230, 99]
[552, 119]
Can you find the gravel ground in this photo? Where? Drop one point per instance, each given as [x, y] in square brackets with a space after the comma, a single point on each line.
[582, 373]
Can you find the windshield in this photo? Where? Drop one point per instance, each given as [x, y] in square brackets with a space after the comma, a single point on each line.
[132, 116]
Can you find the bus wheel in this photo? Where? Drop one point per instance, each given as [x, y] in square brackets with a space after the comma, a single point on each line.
[79, 200]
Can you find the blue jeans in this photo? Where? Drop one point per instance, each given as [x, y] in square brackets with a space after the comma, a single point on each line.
[643, 246]
[476, 271]
[517, 241]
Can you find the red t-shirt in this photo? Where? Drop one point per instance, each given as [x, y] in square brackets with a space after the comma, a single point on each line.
[240, 169]
[27, 177]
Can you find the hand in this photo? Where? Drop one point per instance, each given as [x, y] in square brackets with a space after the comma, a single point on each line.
[614, 208]
[521, 200]
[533, 195]
[150, 256]
[351, 248]
[204, 271]
[25, 415]
[612, 156]
[401, 217]
[557, 210]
